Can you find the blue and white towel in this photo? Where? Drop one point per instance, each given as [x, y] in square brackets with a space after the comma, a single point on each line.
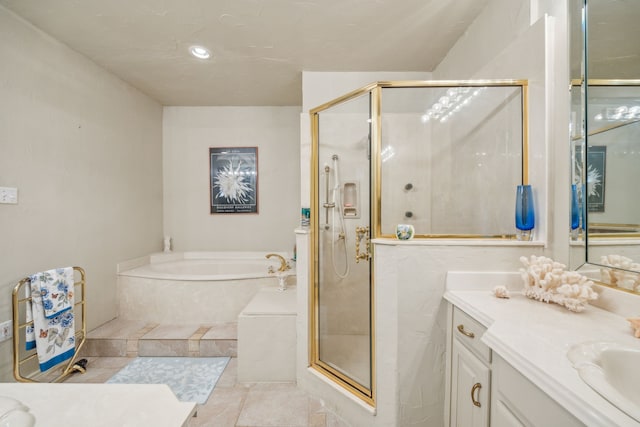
[52, 333]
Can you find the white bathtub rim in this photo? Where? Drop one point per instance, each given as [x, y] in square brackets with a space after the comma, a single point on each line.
[141, 267]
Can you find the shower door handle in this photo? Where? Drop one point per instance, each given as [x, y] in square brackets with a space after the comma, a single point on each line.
[363, 233]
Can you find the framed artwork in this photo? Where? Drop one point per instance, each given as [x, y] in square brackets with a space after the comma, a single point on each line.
[233, 179]
[595, 174]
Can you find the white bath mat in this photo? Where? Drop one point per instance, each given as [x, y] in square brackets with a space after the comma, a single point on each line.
[191, 379]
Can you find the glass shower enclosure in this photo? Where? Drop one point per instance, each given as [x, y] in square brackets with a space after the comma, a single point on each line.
[443, 156]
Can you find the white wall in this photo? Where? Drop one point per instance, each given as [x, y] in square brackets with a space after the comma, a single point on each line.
[84, 150]
[188, 132]
[499, 25]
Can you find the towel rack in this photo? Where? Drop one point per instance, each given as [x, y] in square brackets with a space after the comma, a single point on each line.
[22, 357]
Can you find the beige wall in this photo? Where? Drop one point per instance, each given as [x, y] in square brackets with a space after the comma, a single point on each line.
[84, 150]
[188, 133]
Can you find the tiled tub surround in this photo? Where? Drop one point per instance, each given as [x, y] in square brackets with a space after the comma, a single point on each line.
[131, 338]
[267, 338]
[192, 287]
[534, 338]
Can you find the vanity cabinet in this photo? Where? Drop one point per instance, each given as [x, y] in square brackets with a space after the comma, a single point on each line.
[524, 345]
[470, 388]
[470, 373]
[515, 401]
[484, 390]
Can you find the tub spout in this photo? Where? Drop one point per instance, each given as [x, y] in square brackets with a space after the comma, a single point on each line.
[284, 266]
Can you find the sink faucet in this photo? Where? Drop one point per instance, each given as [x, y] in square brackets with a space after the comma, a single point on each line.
[283, 262]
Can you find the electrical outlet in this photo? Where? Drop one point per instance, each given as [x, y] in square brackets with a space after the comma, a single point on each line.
[9, 195]
[6, 330]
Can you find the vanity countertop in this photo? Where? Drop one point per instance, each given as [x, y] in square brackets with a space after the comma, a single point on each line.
[534, 338]
[69, 404]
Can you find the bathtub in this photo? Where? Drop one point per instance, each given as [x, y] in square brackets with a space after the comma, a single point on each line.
[193, 287]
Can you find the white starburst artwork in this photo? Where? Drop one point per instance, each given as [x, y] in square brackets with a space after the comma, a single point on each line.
[232, 183]
[594, 181]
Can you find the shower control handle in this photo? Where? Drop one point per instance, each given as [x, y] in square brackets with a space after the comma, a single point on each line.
[363, 233]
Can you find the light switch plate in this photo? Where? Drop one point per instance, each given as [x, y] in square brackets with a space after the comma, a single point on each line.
[6, 330]
[9, 195]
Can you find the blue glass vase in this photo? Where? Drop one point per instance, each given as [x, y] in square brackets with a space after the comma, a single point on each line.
[575, 208]
[525, 216]
[583, 206]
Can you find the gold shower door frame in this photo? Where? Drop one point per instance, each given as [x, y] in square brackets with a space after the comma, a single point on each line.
[368, 394]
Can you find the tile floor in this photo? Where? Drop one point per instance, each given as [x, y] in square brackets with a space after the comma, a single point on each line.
[232, 404]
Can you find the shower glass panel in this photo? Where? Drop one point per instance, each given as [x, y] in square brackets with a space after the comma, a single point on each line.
[451, 158]
[342, 216]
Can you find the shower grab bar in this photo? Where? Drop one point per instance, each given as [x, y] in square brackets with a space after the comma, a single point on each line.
[22, 357]
[327, 204]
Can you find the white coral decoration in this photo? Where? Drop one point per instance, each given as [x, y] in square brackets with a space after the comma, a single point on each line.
[620, 278]
[548, 281]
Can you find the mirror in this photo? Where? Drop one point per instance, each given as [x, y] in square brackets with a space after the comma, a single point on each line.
[577, 44]
[608, 159]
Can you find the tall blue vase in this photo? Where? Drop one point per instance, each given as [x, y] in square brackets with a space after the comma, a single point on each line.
[575, 208]
[583, 206]
[525, 213]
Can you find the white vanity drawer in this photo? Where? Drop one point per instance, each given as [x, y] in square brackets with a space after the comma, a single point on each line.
[468, 331]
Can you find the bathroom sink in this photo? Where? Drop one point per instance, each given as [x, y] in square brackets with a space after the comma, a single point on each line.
[611, 370]
[14, 414]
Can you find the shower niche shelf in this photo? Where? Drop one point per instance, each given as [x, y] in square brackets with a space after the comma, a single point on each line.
[350, 200]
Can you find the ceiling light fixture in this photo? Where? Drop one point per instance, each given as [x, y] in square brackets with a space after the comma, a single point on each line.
[450, 103]
[620, 113]
[200, 52]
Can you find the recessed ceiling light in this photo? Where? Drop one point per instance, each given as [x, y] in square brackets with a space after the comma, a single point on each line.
[200, 52]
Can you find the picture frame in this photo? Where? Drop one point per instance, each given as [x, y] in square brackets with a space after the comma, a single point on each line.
[233, 180]
[595, 175]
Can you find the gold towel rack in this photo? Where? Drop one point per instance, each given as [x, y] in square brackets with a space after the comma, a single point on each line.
[25, 367]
